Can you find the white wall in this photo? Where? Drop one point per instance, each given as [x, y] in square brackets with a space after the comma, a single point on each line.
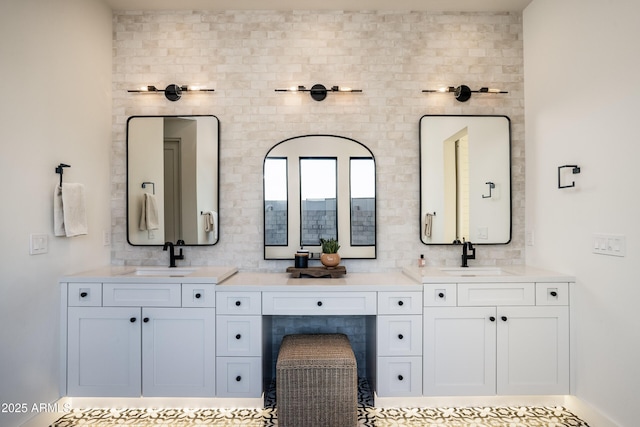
[56, 107]
[582, 88]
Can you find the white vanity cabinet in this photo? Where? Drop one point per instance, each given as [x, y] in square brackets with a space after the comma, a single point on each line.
[239, 344]
[140, 339]
[496, 338]
[399, 344]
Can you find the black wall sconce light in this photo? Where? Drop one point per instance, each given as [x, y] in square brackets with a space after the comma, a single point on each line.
[463, 92]
[319, 92]
[172, 92]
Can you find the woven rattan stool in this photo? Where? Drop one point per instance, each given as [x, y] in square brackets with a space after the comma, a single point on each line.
[316, 382]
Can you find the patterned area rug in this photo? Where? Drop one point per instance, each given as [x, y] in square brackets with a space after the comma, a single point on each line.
[368, 416]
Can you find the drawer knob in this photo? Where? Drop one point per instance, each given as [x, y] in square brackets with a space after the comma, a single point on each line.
[198, 295]
[493, 319]
[553, 293]
[319, 303]
[400, 336]
[238, 336]
[132, 320]
[238, 303]
[238, 378]
[400, 303]
[441, 295]
[504, 318]
[145, 320]
[83, 294]
[400, 377]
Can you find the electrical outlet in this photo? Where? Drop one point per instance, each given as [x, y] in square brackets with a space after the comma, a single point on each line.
[530, 238]
[609, 244]
[38, 244]
[106, 238]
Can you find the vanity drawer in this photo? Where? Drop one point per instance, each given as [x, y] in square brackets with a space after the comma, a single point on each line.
[198, 295]
[238, 376]
[496, 294]
[238, 303]
[399, 376]
[238, 335]
[552, 293]
[141, 294]
[440, 295]
[399, 302]
[318, 303]
[84, 294]
[399, 335]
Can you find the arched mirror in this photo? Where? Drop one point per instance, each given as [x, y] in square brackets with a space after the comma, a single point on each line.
[465, 179]
[172, 180]
[319, 186]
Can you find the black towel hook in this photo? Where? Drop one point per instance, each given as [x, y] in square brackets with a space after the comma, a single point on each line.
[60, 170]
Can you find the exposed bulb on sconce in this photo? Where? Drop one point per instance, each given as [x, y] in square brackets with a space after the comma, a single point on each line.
[319, 92]
[463, 93]
[173, 92]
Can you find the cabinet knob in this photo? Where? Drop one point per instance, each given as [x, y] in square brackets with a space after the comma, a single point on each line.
[493, 319]
[400, 303]
[504, 318]
[400, 336]
[238, 303]
[83, 294]
[319, 303]
[553, 293]
[238, 378]
[400, 377]
[132, 320]
[198, 295]
[145, 320]
[441, 295]
[238, 336]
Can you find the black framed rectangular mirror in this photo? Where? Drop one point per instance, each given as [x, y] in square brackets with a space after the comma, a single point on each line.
[465, 179]
[173, 179]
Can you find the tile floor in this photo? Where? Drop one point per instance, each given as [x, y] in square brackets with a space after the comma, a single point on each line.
[368, 416]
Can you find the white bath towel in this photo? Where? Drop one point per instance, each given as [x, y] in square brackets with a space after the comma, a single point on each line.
[149, 213]
[211, 223]
[69, 210]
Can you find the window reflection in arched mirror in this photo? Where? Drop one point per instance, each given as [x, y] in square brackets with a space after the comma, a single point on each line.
[319, 186]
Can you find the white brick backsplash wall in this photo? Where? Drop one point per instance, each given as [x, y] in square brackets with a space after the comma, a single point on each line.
[245, 55]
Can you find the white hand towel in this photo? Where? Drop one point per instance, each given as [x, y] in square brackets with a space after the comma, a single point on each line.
[428, 224]
[69, 210]
[149, 213]
[211, 223]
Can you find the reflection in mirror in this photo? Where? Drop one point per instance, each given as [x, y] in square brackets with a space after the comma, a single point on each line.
[275, 196]
[318, 195]
[172, 180]
[319, 186]
[363, 198]
[465, 179]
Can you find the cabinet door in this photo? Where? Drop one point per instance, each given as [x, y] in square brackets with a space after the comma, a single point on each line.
[533, 350]
[103, 351]
[178, 349]
[459, 351]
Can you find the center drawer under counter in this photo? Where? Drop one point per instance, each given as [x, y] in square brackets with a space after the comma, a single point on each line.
[141, 294]
[496, 294]
[318, 303]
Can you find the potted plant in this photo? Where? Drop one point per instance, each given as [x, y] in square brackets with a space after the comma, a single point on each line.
[330, 257]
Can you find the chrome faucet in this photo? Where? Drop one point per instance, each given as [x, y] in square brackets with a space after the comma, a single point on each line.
[467, 246]
[172, 255]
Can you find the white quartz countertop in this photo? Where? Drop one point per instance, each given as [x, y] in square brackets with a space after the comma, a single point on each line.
[349, 282]
[485, 274]
[153, 274]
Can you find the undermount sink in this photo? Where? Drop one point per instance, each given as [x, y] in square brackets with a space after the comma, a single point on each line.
[161, 271]
[474, 271]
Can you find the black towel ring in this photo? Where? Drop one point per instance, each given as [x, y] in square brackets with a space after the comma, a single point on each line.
[60, 171]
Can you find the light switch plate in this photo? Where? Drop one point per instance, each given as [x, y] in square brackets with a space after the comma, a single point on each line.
[38, 244]
[609, 244]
